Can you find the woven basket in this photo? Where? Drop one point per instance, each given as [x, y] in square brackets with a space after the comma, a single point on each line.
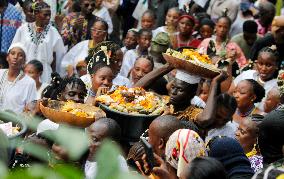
[51, 110]
[192, 68]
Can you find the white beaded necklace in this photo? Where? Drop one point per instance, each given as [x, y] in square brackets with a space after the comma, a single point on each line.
[5, 85]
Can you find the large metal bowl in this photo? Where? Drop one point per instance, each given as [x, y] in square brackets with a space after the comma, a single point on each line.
[132, 125]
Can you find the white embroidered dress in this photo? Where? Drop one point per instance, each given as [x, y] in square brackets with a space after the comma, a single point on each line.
[41, 46]
[76, 54]
[16, 95]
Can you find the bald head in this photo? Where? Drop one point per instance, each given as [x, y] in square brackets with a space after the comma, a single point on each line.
[160, 130]
[107, 128]
[251, 127]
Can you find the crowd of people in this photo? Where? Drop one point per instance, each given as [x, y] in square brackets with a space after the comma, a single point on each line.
[231, 126]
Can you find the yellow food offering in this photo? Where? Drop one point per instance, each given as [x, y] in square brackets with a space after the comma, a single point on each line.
[134, 101]
[190, 55]
[71, 108]
[15, 130]
[194, 55]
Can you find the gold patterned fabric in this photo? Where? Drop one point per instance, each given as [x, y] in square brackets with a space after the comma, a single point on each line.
[190, 113]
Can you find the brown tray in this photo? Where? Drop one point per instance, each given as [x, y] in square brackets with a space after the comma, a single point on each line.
[51, 110]
[192, 68]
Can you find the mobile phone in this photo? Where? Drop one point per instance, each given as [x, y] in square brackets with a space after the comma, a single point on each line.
[149, 153]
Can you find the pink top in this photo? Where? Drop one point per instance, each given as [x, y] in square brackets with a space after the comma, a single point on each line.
[262, 30]
[241, 59]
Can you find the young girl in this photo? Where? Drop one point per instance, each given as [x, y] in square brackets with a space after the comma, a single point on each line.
[171, 23]
[184, 37]
[247, 93]
[202, 94]
[130, 56]
[148, 20]
[34, 69]
[101, 74]
[266, 68]
[115, 56]
[130, 41]
[221, 45]
[206, 29]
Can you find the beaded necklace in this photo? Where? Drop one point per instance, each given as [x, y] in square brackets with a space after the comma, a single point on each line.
[250, 111]
[37, 37]
[5, 85]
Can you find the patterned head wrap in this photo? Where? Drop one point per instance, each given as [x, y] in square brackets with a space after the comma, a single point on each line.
[182, 147]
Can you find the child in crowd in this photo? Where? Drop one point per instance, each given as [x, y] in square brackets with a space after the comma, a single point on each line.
[266, 68]
[148, 20]
[101, 74]
[184, 37]
[202, 94]
[171, 22]
[130, 41]
[144, 42]
[34, 69]
[115, 56]
[206, 29]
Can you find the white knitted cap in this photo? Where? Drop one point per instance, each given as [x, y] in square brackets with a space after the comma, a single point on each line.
[184, 76]
[19, 45]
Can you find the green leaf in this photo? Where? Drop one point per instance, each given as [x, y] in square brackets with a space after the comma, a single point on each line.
[108, 163]
[3, 170]
[74, 140]
[3, 147]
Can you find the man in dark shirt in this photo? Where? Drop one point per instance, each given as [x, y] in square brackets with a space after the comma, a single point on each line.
[275, 38]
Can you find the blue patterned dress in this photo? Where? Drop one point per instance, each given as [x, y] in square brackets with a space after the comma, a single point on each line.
[9, 24]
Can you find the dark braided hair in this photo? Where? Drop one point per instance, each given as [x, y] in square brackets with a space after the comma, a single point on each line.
[272, 51]
[225, 16]
[257, 89]
[54, 84]
[98, 61]
[38, 6]
[104, 54]
[58, 85]
[103, 22]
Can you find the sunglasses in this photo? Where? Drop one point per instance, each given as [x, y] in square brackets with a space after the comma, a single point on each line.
[98, 31]
[92, 5]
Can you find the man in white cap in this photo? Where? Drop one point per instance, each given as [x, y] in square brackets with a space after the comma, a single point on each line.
[183, 89]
